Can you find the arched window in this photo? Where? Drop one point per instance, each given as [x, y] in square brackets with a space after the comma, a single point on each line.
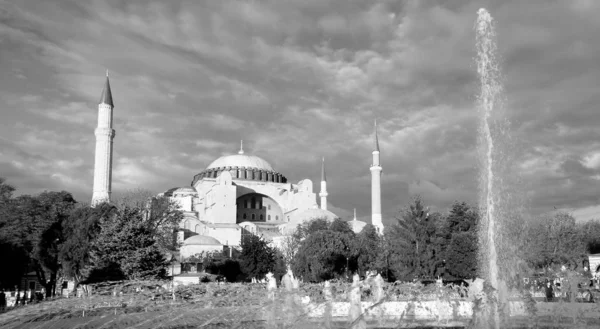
[269, 207]
[260, 205]
[187, 225]
[197, 229]
[244, 216]
[253, 202]
[253, 216]
[276, 217]
[246, 204]
[261, 217]
[268, 217]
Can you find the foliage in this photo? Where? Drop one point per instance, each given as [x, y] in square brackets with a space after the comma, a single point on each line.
[257, 258]
[554, 240]
[229, 268]
[307, 228]
[461, 255]
[128, 240]
[367, 250]
[34, 225]
[459, 234]
[80, 230]
[323, 255]
[162, 215]
[341, 226]
[414, 245]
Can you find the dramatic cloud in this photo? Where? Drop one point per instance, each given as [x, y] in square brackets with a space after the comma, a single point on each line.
[299, 80]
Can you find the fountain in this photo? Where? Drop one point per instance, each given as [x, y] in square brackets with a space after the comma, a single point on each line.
[488, 71]
[500, 201]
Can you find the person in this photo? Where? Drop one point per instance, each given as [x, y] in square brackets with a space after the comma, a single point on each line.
[549, 292]
[2, 300]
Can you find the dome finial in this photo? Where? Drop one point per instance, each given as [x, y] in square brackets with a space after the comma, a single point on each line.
[241, 147]
[354, 213]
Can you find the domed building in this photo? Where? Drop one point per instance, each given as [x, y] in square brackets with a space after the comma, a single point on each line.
[243, 194]
[236, 194]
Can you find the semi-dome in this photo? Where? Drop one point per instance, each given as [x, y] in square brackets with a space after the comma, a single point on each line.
[307, 215]
[240, 161]
[356, 225]
[201, 240]
[179, 190]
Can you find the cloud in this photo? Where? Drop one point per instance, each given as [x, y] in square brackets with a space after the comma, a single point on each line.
[298, 81]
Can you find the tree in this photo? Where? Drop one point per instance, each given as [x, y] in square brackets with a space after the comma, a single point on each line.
[554, 240]
[80, 231]
[368, 250]
[12, 253]
[414, 243]
[341, 226]
[461, 255]
[257, 258]
[128, 241]
[590, 233]
[323, 255]
[35, 225]
[162, 215]
[459, 235]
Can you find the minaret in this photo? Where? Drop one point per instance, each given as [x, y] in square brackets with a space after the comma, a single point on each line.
[323, 193]
[354, 214]
[241, 147]
[376, 187]
[104, 147]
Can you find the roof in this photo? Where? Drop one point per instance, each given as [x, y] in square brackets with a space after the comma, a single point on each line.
[221, 225]
[356, 225]
[241, 160]
[201, 240]
[106, 97]
[172, 191]
[307, 215]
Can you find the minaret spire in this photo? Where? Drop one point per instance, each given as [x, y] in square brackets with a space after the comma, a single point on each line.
[323, 194]
[241, 147]
[104, 147]
[106, 96]
[354, 213]
[376, 139]
[376, 186]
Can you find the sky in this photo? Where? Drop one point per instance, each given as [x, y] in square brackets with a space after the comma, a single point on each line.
[300, 80]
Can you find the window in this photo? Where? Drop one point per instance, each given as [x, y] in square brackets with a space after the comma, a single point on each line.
[246, 204]
[244, 216]
[261, 217]
[268, 217]
[253, 202]
[276, 217]
[187, 225]
[269, 207]
[253, 216]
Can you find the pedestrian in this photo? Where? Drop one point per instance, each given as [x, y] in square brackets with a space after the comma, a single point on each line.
[2, 300]
[549, 292]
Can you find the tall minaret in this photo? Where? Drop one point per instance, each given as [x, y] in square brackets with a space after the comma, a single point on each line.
[323, 193]
[376, 187]
[104, 147]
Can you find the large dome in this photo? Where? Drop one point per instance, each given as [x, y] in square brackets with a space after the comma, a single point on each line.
[240, 161]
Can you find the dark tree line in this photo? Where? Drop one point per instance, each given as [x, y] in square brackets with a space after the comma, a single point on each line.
[56, 237]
